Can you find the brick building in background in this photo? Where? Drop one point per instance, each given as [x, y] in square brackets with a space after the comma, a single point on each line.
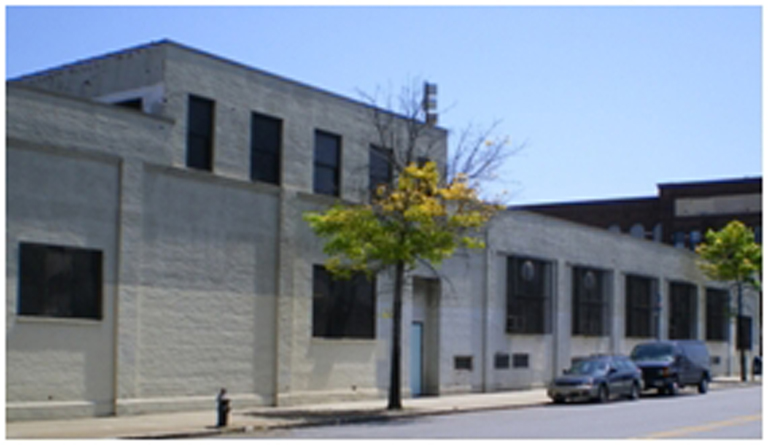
[680, 215]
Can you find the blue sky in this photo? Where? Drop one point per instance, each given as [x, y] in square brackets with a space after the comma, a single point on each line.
[609, 100]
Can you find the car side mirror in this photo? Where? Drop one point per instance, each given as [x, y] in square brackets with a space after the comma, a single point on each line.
[565, 370]
[612, 370]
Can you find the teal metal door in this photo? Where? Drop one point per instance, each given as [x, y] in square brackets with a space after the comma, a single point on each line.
[417, 341]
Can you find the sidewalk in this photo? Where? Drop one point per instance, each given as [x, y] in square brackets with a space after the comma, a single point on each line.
[201, 424]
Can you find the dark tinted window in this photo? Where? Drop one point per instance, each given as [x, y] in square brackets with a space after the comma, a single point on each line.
[589, 367]
[528, 296]
[639, 313]
[682, 311]
[462, 362]
[717, 315]
[590, 305]
[327, 159]
[653, 351]
[380, 168]
[520, 361]
[266, 144]
[56, 281]
[200, 133]
[343, 308]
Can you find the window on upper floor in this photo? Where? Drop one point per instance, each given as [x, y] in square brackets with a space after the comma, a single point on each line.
[528, 296]
[200, 125]
[590, 302]
[682, 311]
[266, 148]
[639, 306]
[327, 172]
[343, 308]
[379, 168]
[59, 282]
[717, 314]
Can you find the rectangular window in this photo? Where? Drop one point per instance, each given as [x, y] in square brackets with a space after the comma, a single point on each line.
[200, 133]
[717, 314]
[60, 282]
[639, 306]
[744, 333]
[343, 308]
[266, 144]
[379, 168]
[501, 361]
[462, 362]
[327, 161]
[590, 303]
[520, 360]
[682, 311]
[528, 296]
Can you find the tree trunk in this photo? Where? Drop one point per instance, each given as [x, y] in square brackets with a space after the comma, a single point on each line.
[742, 353]
[395, 402]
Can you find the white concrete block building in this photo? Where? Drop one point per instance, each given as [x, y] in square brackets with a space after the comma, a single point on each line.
[156, 252]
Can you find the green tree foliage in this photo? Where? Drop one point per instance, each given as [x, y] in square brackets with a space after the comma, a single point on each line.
[732, 254]
[416, 219]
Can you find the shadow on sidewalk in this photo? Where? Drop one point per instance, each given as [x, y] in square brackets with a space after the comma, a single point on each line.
[313, 417]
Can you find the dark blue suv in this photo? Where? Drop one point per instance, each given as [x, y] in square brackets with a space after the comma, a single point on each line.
[671, 365]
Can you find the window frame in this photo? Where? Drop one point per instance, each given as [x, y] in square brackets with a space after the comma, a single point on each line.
[718, 305]
[679, 321]
[321, 165]
[524, 300]
[332, 297]
[385, 155]
[205, 136]
[38, 280]
[261, 149]
[638, 314]
[589, 308]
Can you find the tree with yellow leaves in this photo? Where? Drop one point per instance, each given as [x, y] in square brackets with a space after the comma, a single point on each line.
[415, 219]
[732, 254]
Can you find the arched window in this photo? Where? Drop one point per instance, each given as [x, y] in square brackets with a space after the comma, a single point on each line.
[637, 230]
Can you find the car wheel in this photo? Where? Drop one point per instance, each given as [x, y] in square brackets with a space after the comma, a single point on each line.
[634, 393]
[602, 394]
[558, 400]
[703, 385]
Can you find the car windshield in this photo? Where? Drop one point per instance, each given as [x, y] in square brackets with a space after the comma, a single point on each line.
[653, 352]
[588, 367]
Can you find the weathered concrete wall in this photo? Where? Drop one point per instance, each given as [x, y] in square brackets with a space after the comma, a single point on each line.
[65, 177]
[208, 278]
[566, 245]
[60, 364]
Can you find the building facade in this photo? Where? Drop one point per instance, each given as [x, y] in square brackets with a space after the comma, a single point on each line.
[156, 252]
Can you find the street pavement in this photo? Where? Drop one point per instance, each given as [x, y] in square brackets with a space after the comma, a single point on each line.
[202, 423]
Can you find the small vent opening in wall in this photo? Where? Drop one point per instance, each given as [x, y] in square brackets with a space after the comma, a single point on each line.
[462, 362]
[520, 360]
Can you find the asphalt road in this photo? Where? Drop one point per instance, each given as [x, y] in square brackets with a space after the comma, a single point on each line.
[733, 413]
